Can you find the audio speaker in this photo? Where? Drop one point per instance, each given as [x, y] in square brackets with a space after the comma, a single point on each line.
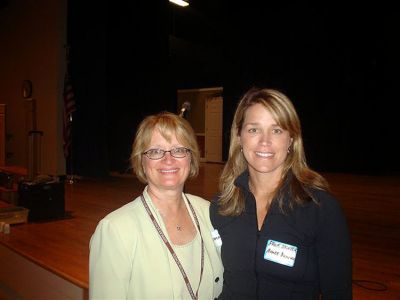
[45, 201]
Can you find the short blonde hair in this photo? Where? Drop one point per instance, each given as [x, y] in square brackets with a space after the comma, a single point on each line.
[168, 124]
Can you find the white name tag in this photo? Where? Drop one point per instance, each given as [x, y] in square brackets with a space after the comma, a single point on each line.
[280, 253]
[216, 238]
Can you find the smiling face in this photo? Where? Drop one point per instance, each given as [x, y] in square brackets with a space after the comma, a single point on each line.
[167, 173]
[265, 144]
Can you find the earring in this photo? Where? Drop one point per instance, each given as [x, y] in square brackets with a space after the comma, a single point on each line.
[288, 150]
[241, 149]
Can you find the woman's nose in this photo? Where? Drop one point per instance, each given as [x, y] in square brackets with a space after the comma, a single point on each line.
[168, 156]
[265, 139]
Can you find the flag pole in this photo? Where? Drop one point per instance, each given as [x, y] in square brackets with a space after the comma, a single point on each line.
[70, 152]
[69, 108]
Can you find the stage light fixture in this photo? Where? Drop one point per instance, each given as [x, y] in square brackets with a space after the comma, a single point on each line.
[180, 2]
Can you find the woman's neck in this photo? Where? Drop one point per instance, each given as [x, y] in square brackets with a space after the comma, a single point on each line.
[264, 182]
[166, 200]
[175, 215]
[263, 186]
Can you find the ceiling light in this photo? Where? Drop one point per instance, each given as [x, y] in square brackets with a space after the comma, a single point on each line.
[180, 2]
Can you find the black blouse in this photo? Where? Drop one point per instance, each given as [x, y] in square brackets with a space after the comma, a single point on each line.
[299, 254]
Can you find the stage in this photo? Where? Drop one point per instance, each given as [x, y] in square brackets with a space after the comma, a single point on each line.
[49, 260]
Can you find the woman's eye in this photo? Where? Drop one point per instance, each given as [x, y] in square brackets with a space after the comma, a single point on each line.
[277, 130]
[252, 130]
[180, 150]
[155, 151]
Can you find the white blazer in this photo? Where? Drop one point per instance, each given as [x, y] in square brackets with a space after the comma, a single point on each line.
[129, 260]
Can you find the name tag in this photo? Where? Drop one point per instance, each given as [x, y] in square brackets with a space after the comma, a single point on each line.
[216, 238]
[280, 253]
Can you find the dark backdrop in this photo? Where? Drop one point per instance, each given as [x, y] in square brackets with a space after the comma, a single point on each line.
[338, 62]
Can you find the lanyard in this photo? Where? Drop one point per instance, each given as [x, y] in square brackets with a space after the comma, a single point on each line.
[171, 250]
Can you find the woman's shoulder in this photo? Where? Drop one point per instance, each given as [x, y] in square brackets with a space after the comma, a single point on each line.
[123, 214]
[120, 227]
[324, 198]
[214, 204]
[326, 203]
[219, 221]
[201, 207]
[198, 201]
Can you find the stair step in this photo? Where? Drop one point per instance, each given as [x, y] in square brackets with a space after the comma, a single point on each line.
[9, 195]
[4, 204]
[9, 185]
[15, 170]
[18, 173]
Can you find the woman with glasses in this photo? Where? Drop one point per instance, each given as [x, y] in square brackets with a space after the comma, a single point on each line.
[158, 246]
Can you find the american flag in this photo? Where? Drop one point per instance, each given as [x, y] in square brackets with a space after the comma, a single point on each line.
[69, 108]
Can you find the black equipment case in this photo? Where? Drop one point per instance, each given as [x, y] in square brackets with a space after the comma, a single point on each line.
[44, 200]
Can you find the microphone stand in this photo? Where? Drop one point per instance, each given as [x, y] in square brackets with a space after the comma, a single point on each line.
[182, 113]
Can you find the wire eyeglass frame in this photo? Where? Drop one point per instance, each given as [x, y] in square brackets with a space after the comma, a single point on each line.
[156, 154]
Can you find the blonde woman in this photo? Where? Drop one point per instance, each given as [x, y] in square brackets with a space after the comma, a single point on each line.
[283, 234]
[158, 246]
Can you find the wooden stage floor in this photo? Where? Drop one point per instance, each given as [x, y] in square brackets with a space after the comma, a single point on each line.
[371, 204]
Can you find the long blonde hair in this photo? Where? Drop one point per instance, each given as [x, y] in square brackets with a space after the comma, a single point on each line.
[231, 201]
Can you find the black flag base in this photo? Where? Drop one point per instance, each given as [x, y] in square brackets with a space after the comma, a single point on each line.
[70, 179]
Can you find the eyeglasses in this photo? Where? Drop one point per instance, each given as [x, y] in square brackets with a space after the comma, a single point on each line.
[180, 152]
